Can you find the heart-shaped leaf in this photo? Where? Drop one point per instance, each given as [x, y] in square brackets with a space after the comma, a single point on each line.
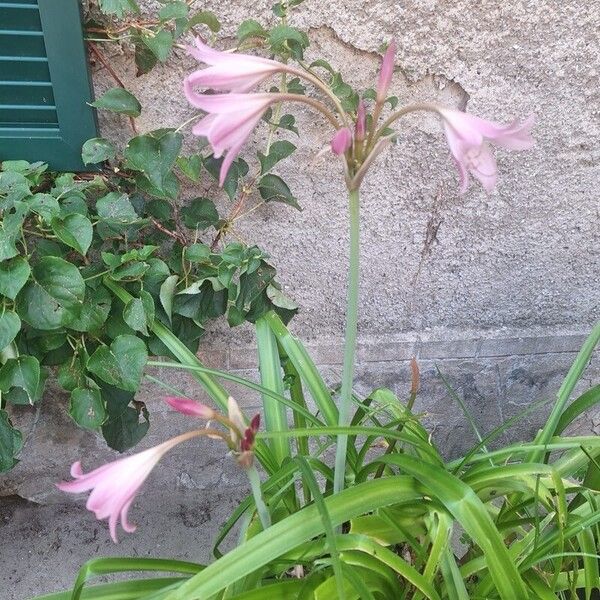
[120, 101]
[121, 364]
[10, 324]
[75, 231]
[21, 372]
[87, 408]
[14, 274]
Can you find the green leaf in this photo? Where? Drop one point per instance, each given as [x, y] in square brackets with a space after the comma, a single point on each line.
[155, 156]
[278, 151]
[71, 374]
[207, 18]
[120, 101]
[197, 253]
[44, 205]
[14, 274]
[238, 169]
[75, 231]
[201, 213]
[11, 442]
[160, 44]
[117, 209]
[173, 10]
[251, 29]
[284, 39]
[87, 408]
[273, 189]
[55, 296]
[145, 60]
[21, 372]
[191, 166]
[139, 313]
[10, 325]
[123, 431]
[279, 299]
[121, 364]
[94, 311]
[288, 122]
[167, 293]
[97, 150]
[119, 7]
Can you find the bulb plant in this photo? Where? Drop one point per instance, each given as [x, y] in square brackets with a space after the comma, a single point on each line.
[375, 525]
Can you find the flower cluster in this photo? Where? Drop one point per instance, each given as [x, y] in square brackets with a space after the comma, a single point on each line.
[231, 117]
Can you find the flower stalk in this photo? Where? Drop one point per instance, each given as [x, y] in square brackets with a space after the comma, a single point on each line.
[350, 339]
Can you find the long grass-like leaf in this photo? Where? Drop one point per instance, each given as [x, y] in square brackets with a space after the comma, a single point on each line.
[271, 378]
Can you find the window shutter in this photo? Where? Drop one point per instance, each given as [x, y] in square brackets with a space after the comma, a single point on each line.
[44, 83]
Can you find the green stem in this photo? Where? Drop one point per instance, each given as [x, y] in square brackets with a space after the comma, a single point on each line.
[350, 343]
[261, 507]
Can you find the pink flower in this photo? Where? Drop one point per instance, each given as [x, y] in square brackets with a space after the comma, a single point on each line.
[190, 407]
[230, 120]
[115, 484]
[361, 119]
[229, 71]
[387, 70]
[468, 138]
[342, 140]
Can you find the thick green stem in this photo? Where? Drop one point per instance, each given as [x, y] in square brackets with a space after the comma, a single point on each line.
[261, 507]
[350, 343]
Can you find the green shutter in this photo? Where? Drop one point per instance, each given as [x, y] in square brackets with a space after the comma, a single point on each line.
[44, 83]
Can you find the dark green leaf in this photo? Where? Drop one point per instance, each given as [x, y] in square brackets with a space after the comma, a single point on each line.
[284, 39]
[21, 372]
[120, 101]
[251, 29]
[75, 231]
[87, 408]
[121, 364]
[273, 189]
[124, 430]
[160, 43]
[11, 442]
[154, 156]
[94, 311]
[205, 18]
[97, 150]
[201, 213]
[119, 7]
[71, 374]
[197, 253]
[14, 273]
[139, 313]
[167, 293]
[288, 122]
[10, 324]
[278, 151]
[44, 205]
[55, 296]
[173, 10]
[116, 209]
[145, 60]
[191, 166]
[238, 169]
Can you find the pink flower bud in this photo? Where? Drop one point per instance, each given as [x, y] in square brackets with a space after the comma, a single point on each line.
[190, 407]
[342, 140]
[361, 118]
[387, 70]
[255, 423]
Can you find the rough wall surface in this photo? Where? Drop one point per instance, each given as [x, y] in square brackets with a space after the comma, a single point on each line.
[496, 290]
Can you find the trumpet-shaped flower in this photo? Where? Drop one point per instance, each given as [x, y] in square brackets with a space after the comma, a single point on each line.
[230, 120]
[342, 140]
[114, 485]
[229, 71]
[468, 138]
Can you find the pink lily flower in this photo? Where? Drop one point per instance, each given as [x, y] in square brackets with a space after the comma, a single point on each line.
[190, 407]
[342, 140]
[115, 485]
[229, 122]
[468, 138]
[228, 71]
[386, 73]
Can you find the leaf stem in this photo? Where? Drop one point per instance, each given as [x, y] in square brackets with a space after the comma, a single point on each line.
[350, 343]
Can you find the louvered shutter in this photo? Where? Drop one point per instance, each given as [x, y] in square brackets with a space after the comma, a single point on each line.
[44, 83]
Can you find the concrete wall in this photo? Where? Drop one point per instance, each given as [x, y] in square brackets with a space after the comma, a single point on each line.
[497, 291]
